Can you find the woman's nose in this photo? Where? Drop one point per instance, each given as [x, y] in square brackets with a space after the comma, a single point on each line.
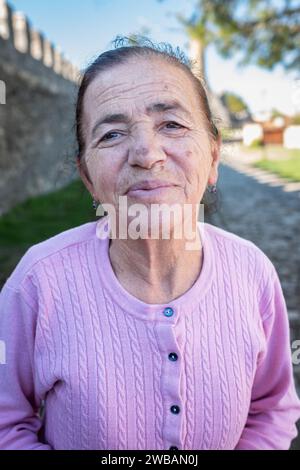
[145, 150]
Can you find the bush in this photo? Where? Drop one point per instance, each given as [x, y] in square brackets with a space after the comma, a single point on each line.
[257, 143]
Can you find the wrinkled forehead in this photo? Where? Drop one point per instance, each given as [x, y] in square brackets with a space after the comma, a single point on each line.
[132, 86]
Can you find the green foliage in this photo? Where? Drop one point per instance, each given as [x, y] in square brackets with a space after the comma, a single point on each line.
[39, 218]
[226, 133]
[275, 113]
[296, 120]
[234, 103]
[257, 143]
[289, 169]
[263, 32]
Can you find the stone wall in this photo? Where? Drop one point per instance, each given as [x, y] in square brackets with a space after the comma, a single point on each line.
[37, 112]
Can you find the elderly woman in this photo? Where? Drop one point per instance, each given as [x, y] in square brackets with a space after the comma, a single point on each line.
[145, 342]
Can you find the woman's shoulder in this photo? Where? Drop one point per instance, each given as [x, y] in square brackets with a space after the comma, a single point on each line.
[227, 236]
[46, 248]
[239, 252]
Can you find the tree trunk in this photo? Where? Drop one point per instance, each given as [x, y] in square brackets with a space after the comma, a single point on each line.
[197, 54]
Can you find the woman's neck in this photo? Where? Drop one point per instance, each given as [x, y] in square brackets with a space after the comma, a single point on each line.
[156, 271]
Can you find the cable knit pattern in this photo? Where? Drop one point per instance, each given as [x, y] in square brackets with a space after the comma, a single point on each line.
[224, 386]
[230, 286]
[113, 372]
[190, 375]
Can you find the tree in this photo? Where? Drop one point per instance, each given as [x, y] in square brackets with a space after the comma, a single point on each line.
[234, 103]
[263, 32]
[276, 113]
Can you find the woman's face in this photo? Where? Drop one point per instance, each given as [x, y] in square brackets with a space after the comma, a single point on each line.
[152, 129]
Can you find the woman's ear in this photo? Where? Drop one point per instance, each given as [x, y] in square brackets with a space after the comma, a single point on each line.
[84, 175]
[215, 154]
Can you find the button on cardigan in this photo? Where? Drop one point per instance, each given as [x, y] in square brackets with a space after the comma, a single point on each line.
[211, 369]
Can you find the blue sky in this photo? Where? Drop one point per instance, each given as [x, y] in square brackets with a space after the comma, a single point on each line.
[84, 28]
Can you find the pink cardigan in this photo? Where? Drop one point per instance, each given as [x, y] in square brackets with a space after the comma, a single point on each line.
[211, 369]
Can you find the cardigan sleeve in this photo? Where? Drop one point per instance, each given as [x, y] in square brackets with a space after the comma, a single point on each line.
[275, 406]
[19, 404]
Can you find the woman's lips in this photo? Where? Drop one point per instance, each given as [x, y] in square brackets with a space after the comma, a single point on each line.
[153, 193]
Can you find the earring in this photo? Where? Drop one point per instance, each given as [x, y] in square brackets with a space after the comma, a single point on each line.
[212, 188]
[99, 209]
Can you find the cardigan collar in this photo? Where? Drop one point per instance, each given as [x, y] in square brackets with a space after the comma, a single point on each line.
[153, 312]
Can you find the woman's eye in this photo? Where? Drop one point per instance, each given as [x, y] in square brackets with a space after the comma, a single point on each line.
[172, 123]
[106, 136]
[110, 135]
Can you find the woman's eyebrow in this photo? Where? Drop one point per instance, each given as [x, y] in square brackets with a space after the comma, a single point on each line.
[152, 108]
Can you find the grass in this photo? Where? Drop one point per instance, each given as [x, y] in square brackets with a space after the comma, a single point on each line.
[39, 218]
[276, 159]
[288, 169]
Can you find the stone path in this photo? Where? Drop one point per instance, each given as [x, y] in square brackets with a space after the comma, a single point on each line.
[234, 156]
